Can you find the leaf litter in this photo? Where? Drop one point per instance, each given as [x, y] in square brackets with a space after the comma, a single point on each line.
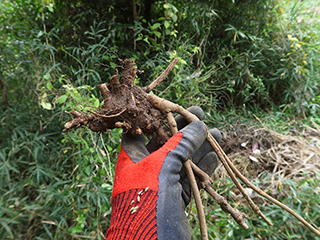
[257, 150]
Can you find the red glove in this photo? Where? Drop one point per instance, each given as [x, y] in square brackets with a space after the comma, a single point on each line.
[147, 198]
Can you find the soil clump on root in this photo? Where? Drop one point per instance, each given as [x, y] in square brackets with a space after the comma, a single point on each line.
[125, 106]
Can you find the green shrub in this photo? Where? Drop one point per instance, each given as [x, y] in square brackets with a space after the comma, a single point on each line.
[53, 186]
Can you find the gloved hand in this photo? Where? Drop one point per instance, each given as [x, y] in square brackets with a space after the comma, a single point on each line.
[150, 191]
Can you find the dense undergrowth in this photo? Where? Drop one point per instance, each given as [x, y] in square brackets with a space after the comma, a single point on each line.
[237, 58]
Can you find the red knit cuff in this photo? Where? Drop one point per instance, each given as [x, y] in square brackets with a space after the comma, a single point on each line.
[134, 215]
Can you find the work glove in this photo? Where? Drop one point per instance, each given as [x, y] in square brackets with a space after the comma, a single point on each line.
[150, 191]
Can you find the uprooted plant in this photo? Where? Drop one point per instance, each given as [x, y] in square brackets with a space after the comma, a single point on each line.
[137, 111]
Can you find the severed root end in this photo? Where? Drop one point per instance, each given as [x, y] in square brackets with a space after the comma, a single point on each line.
[79, 119]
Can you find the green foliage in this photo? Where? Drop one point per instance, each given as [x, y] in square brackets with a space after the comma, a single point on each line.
[51, 184]
[250, 62]
[248, 54]
[293, 71]
[247, 49]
